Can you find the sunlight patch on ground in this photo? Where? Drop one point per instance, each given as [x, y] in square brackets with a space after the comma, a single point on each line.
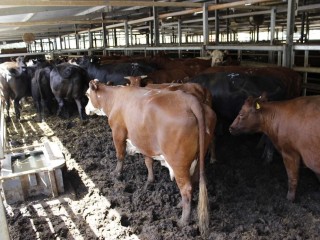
[64, 212]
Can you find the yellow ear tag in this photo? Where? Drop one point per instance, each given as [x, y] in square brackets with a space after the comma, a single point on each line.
[258, 106]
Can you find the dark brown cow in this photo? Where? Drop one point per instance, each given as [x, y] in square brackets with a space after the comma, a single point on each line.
[292, 126]
[182, 67]
[168, 76]
[170, 126]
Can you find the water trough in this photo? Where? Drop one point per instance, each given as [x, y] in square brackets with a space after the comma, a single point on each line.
[32, 172]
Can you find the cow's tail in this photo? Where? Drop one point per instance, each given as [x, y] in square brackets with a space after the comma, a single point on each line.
[203, 209]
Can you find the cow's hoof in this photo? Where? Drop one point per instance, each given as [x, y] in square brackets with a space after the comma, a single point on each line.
[179, 205]
[8, 119]
[38, 119]
[182, 223]
[116, 175]
[84, 122]
[70, 125]
[149, 186]
[291, 196]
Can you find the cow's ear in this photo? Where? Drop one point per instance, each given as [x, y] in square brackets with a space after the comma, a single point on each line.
[93, 85]
[253, 103]
[263, 97]
[257, 103]
[110, 83]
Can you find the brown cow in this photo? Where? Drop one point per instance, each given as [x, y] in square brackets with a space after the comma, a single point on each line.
[203, 94]
[292, 126]
[170, 126]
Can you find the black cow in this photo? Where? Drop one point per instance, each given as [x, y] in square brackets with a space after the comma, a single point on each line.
[14, 83]
[38, 71]
[113, 73]
[41, 91]
[230, 89]
[69, 81]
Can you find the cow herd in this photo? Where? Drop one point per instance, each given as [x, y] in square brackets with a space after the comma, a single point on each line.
[171, 110]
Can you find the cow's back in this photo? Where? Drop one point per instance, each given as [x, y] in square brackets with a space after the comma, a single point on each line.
[230, 89]
[154, 116]
[301, 114]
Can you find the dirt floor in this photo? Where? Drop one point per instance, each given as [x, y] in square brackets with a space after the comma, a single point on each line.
[247, 196]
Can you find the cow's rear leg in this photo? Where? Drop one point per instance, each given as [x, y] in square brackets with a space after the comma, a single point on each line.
[80, 109]
[212, 151]
[17, 108]
[60, 105]
[292, 164]
[185, 187]
[149, 163]
[119, 140]
[8, 110]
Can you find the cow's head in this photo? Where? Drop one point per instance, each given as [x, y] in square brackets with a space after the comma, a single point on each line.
[20, 64]
[248, 119]
[136, 81]
[217, 57]
[93, 106]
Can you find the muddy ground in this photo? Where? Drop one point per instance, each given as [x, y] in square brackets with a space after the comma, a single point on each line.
[247, 196]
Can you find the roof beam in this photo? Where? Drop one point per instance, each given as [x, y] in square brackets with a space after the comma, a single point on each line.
[56, 22]
[118, 3]
[215, 7]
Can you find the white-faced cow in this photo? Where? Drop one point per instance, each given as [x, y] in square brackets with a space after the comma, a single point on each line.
[69, 82]
[216, 57]
[292, 126]
[170, 126]
[14, 83]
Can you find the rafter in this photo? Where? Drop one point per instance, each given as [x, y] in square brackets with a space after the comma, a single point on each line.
[98, 3]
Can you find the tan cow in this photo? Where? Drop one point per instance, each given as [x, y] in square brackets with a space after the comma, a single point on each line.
[170, 126]
[200, 92]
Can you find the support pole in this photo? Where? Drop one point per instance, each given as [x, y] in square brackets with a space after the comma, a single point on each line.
[155, 27]
[216, 24]
[205, 24]
[76, 34]
[290, 30]
[272, 31]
